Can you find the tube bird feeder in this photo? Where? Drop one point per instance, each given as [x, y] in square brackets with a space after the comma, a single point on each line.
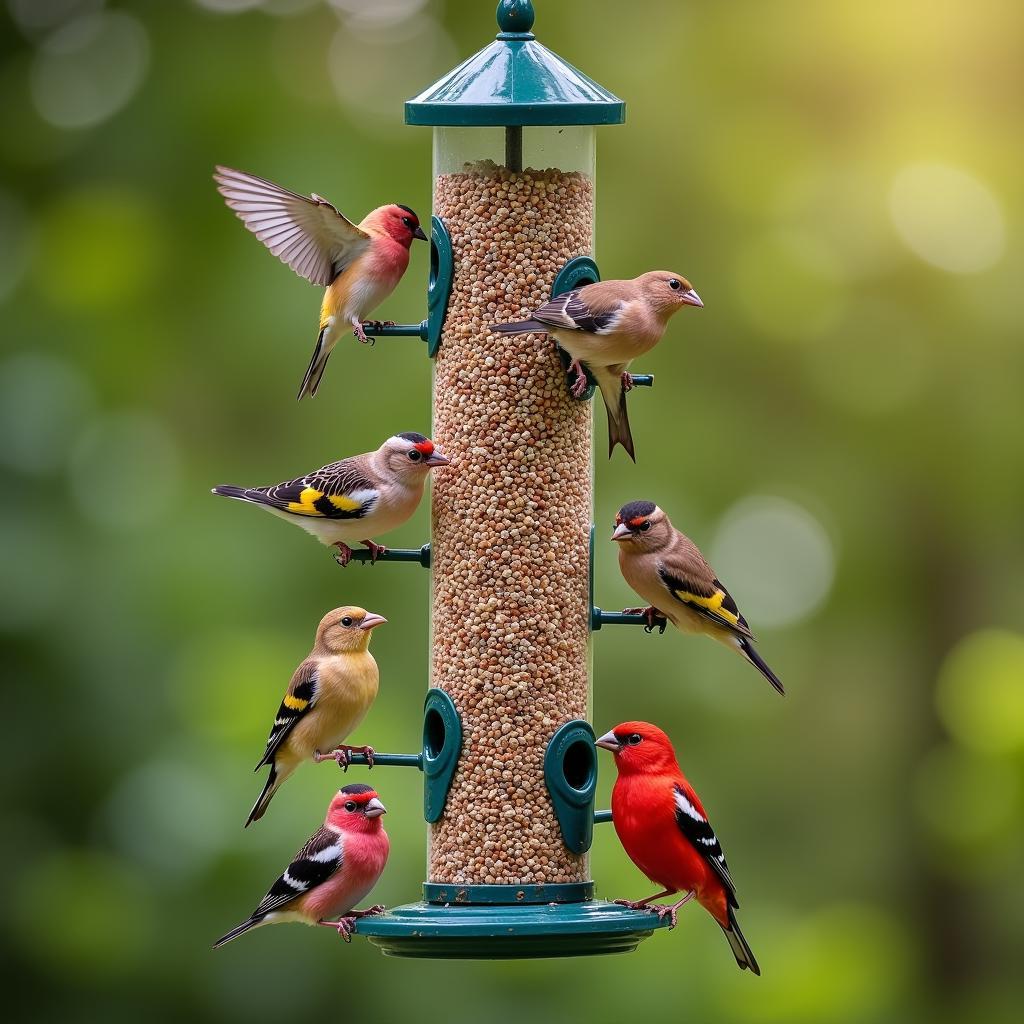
[513, 199]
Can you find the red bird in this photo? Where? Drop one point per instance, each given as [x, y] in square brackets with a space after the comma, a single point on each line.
[336, 869]
[662, 825]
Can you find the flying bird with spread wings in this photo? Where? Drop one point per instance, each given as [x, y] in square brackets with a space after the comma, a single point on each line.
[360, 265]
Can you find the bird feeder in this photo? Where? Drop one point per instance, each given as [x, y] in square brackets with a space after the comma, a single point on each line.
[512, 812]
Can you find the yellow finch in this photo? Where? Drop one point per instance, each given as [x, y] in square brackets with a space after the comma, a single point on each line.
[604, 327]
[666, 569]
[346, 501]
[328, 697]
[359, 264]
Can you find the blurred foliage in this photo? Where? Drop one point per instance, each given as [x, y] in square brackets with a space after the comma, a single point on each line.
[841, 428]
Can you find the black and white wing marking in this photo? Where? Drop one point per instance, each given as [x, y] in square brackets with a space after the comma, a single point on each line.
[569, 312]
[712, 601]
[313, 865]
[340, 490]
[701, 836]
[297, 702]
[305, 232]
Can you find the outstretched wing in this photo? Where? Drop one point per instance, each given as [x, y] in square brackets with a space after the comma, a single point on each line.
[341, 490]
[297, 703]
[570, 312]
[705, 596]
[306, 232]
[313, 865]
[697, 831]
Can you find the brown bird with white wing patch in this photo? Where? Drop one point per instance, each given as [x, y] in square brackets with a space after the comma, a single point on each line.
[605, 326]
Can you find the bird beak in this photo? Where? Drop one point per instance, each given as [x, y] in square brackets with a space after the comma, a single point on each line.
[374, 808]
[622, 532]
[691, 298]
[419, 233]
[609, 742]
[437, 459]
[370, 620]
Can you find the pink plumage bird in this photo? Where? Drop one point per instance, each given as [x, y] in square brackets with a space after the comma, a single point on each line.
[360, 265]
[336, 869]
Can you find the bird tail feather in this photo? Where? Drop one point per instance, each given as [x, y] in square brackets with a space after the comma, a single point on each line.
[739, 946]
[522, 327]
[317, 365]
[232, 491]
[238, 930]
[749, 652]
[615, 403]
[263, 801]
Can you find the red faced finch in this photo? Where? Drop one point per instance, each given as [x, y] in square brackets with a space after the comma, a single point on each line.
[347, 501]
[334, 871]
[664, 829]
[605, 326]
[328, 696]
[359, 264]
[667, 570]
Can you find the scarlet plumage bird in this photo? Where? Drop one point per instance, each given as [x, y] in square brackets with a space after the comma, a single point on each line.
[664, 829]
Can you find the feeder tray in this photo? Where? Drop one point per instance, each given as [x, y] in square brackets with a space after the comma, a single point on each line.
[501, 932]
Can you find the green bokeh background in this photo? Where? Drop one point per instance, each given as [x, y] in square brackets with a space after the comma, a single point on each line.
[842, 183]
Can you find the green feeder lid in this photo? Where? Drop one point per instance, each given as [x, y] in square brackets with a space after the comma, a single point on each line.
[515, 81]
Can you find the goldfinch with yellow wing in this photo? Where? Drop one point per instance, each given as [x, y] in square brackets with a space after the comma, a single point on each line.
[348, 501]
[360, 265]
[668, 571]
[328, 696]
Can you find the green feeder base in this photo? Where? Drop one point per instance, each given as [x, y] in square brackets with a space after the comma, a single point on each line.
[430, 932]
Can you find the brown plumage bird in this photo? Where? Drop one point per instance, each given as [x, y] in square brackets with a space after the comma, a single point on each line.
[348, 501]
[667, 570]
[327, 698]
[605, 326]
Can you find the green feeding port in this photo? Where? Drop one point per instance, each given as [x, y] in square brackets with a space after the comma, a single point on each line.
[442, 742]
[439, 287]
[570, 773]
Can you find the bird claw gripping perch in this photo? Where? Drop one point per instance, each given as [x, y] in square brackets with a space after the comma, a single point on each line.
[344, 555]
[342, 754]
[627, 382]
[379, 325]
[357, 330]
[345, 926]
[376, 550]
[654, 618]
[581, 383]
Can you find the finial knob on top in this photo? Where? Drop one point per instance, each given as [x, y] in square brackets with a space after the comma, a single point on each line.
[515, 17]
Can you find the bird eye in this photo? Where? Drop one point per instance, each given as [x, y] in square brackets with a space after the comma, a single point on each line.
[347, 620]
[633, 738]
[675, 284]
[415, 456]
[407, 221]
[350, 805]
[645, 525]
